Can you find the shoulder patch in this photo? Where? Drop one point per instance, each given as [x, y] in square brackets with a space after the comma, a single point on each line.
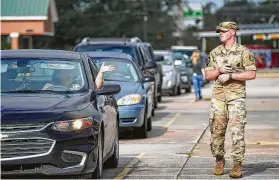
[252, 57]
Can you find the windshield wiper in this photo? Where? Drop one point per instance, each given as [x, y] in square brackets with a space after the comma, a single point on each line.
[111, 80]
[31, 91]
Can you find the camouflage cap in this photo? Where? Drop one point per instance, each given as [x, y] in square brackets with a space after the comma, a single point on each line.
[225, 26]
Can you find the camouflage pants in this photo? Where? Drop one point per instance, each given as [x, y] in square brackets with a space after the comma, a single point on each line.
[221, 113]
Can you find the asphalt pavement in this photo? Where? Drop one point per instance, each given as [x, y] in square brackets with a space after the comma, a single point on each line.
[178, 145]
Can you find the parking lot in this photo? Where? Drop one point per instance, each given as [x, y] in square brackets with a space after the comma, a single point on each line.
[178, 145]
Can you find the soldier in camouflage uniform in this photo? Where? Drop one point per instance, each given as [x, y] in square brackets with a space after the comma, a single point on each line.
[229, 65]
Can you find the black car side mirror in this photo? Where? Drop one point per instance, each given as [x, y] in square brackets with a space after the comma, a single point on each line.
[150, 65]
[109, 89]
[148, 79]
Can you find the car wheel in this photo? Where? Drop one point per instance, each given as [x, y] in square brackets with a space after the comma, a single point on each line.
[112, 162]
[149, 124]
[188, 90]
[141, 132]
[155, 103]
[153, 112]
[174, 91]
[97, 174]
[179, 89]
[159, 98]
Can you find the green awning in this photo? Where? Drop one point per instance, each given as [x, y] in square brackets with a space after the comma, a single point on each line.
[27, 9]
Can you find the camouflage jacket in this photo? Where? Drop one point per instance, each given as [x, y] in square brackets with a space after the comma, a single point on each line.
[241, 59]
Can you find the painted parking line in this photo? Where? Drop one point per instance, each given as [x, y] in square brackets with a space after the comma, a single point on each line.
[172, 120]
[129, 166]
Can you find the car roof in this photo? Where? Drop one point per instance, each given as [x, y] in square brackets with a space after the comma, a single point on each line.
[117, 41]
[184, 47]
[162, 51]
[107, 42]
[41, 53]
[107, 54]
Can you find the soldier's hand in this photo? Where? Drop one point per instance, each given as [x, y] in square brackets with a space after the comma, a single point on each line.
[225, 68]
[224, 78]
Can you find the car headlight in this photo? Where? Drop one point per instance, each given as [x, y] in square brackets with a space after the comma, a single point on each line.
[169, 73]
[73, 125]
[129, 99]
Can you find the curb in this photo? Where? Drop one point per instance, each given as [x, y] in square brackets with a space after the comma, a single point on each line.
[196, 141]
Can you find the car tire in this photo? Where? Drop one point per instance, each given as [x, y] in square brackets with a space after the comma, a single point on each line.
[174, 91]
[155, 103]
[188, 90]
[98, 172]
[159, 98]
[179, 90]
[141, 132]
[112, 162]
[149, 124]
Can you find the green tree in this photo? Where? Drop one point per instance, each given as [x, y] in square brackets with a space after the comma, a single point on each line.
[106, 18]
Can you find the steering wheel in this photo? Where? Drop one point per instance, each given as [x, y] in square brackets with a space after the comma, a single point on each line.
[57, 88]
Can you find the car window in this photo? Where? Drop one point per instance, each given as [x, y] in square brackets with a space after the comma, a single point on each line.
[178, 54]
[143, 52]
[168, 60]
[139, 60]
[93, 75]
[125, 71]
[93, 67]
[149, 52]
[42, 74]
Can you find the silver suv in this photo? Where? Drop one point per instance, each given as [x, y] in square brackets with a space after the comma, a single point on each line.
[171, 72]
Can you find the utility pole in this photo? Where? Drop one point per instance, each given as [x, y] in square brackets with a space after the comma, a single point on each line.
[145, 19]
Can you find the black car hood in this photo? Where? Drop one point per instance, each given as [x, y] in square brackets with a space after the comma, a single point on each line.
[40, 102]
[41, 106]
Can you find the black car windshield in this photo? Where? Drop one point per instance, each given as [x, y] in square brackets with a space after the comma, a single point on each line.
[39, 75]
[124, 72]
[107, 47]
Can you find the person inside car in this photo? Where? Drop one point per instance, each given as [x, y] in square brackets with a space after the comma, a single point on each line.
[65, 77]
[60, 77]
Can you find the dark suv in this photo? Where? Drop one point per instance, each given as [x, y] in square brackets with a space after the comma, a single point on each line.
[131, 46]
[158, 73]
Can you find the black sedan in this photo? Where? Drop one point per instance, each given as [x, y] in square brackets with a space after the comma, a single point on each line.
[53, 119]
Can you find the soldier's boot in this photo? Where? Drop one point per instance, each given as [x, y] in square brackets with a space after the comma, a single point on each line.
[236, 171]
[220, 164]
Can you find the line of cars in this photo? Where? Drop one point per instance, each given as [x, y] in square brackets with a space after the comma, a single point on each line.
[163, 71]
[54, 121]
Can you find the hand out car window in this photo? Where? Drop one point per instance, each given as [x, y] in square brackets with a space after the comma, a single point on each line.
[125, 70]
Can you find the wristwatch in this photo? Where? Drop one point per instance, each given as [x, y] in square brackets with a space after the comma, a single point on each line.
[230, 76]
